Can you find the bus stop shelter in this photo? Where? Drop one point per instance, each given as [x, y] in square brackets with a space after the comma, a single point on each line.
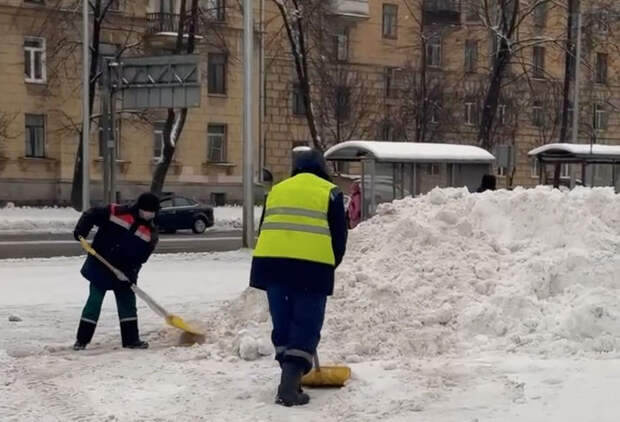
[394, 170]
[591, 164]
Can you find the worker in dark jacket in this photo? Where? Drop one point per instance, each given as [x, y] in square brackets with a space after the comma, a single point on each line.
[126, 238]
[302, 240]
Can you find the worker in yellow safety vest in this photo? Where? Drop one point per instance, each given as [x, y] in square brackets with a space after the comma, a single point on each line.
[302, 240]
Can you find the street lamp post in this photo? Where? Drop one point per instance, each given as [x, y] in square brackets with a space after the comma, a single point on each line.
[248, 151]
[85, 109]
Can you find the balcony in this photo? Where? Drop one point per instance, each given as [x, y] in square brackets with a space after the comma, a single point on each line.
[162, 30]
[351, 9]
[442, 12]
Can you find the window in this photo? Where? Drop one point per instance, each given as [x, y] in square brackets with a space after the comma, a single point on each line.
[538, 117]
[471, 55]
[299, 105]
[534, 168]
[434, 109]
[214, 10]
[343, 102]
[602, 22]
[540, 14]
[503, 159]
[158, 140]
[601, 68]
[341, 46]
[179, 201]
[472, 13]
[471, 113]
[386, 132]
[166, 203]
[35, 135]
[433, 169]
[390, 19]
[600, 117]
[565, 171]
[34, 59]
[539, 62]
[217, 73]
[433, 51]
[115, 5]
[502, 114]
[216, 138]
[393, 81]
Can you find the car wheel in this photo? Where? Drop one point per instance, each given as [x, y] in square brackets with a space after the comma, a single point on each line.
[199, 226]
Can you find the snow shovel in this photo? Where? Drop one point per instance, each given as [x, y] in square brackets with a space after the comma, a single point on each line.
[326, 376]
[171, 319]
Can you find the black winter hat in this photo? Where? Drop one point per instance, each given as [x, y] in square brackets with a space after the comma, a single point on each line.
[310, 161]
[148, 202]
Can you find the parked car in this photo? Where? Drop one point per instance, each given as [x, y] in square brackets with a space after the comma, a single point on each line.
[180, 213]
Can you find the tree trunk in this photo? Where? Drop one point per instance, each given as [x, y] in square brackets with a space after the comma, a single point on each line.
[569, 59]
[175, 122]
[491, 101]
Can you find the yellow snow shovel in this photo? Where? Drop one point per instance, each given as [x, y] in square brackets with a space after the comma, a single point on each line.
[326, 376]
[174, 320]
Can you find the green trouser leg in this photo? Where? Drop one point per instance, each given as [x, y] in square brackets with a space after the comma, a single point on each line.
[127, 315]
[90, 314]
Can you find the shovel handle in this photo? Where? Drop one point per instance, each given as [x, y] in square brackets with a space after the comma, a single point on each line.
[317, 366]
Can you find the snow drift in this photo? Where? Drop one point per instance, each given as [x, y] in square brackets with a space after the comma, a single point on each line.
[534, 271]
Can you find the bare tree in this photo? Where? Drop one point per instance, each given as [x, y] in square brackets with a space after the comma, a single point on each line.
[6, 119]
[507, 21]
[60, 25]
[175, 120]
[297, 17]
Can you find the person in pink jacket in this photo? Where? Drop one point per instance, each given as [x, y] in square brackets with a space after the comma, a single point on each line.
[354, 210]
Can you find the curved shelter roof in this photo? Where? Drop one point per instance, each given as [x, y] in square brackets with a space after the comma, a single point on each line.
[408, 152]
[592, 153]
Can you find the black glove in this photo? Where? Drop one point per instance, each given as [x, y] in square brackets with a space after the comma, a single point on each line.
[77, 235]
[133, 276]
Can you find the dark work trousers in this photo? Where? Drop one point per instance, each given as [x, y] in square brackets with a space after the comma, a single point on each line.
[127, 314]
[297, 318]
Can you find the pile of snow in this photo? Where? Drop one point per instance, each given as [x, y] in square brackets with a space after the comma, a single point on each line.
[42, 219]
[231, 217]
[535, 271]
[62, 220]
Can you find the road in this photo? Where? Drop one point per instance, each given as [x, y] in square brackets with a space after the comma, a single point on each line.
[48, 245]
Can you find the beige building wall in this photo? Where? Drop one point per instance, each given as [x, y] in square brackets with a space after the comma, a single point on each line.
[370, 55]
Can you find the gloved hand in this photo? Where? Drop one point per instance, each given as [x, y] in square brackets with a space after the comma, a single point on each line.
[133, 277]
[76, 235]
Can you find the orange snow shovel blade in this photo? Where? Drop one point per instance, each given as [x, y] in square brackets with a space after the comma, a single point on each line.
[326, 376]
[173, 320]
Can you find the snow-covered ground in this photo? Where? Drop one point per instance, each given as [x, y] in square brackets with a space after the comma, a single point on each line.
[451, 307]
[62, 220]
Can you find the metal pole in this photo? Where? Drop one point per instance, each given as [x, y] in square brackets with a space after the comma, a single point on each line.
[248, 153]
[575, 133]
[577, 77]
[85, 109]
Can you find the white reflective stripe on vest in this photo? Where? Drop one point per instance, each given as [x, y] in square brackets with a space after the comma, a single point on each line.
[296, 212]
[297, 228]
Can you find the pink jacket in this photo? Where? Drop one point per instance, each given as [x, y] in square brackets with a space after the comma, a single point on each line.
[355, 206]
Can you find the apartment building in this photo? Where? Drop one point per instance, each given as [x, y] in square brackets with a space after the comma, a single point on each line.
[401, 70]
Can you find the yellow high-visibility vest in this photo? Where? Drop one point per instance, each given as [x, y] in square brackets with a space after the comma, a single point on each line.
[295, 223]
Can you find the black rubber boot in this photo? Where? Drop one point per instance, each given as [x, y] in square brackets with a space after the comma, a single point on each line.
[130, 337]
[85, 333]
[289, 391]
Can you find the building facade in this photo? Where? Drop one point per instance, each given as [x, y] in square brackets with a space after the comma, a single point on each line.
[401, 70]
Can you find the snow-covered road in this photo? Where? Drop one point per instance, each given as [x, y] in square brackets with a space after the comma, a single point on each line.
[42, 379]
